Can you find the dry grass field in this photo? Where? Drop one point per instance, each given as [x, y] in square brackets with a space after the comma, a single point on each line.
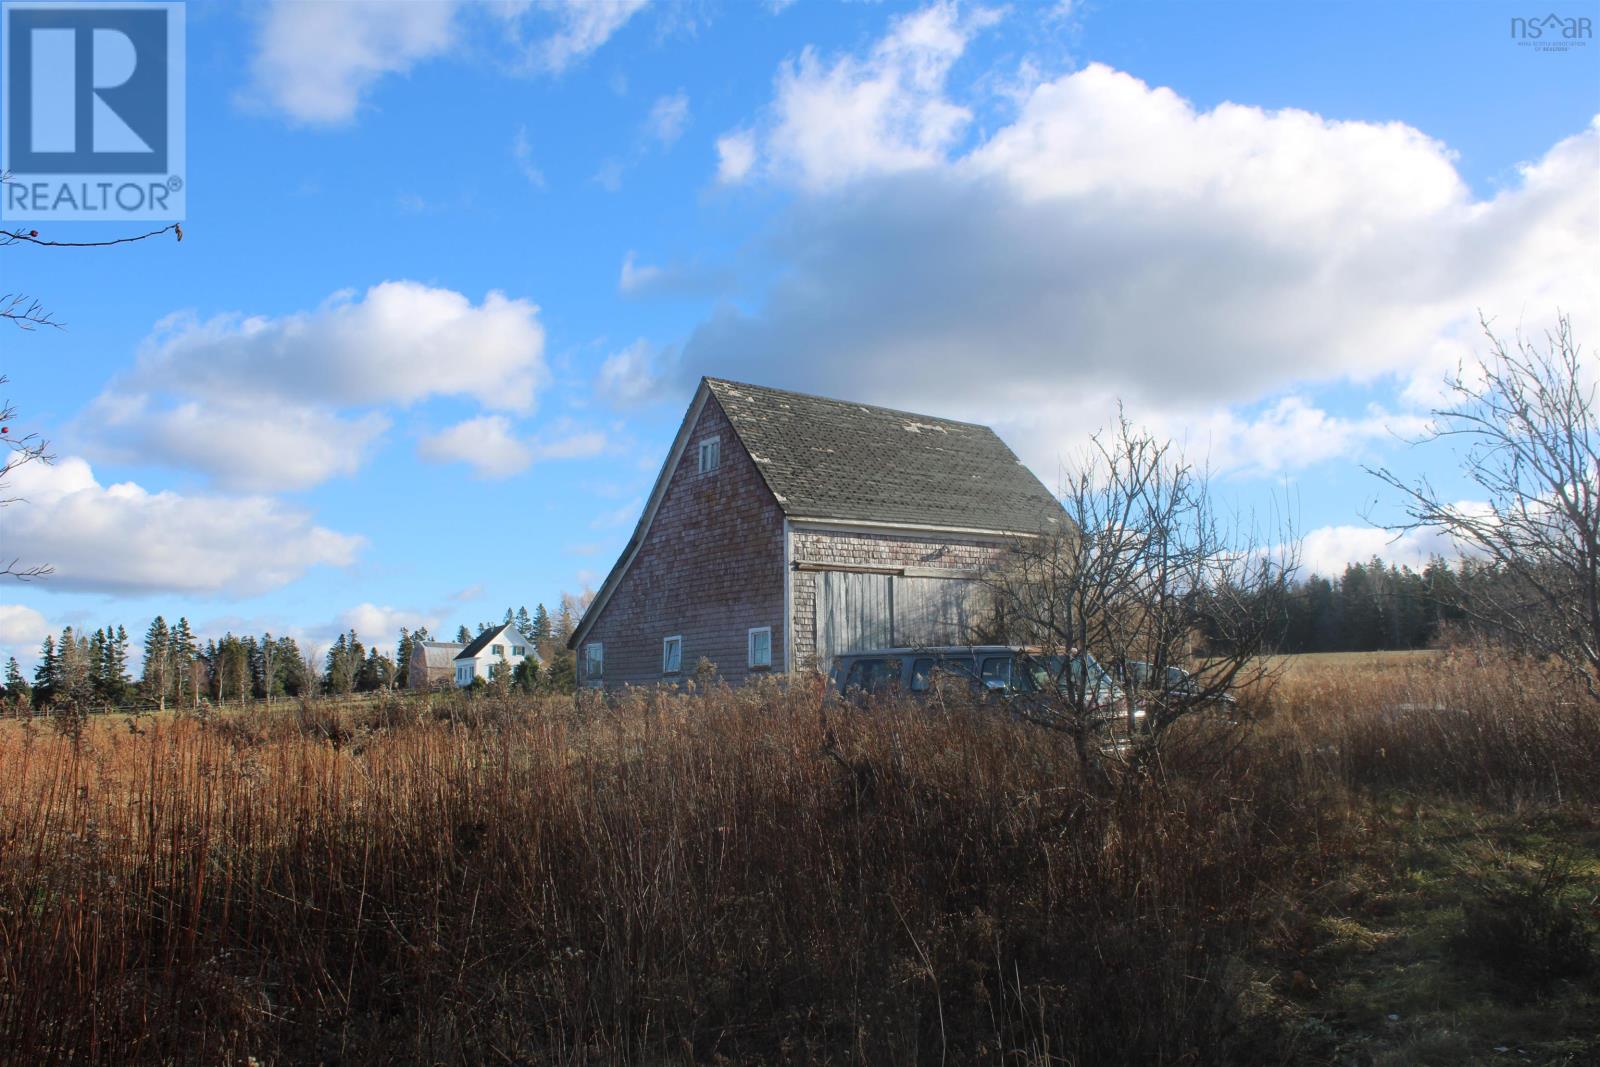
[1395, 860]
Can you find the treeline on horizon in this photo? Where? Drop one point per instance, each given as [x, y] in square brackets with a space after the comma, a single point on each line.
[87, 670]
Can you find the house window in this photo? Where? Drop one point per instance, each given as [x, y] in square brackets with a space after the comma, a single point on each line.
[594, 660]
[710, 454]
[761, 647]
[671, 655]
[500, 650]
[519, 650]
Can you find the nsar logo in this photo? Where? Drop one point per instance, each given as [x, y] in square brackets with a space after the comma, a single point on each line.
[92, 101]
[1552, 33]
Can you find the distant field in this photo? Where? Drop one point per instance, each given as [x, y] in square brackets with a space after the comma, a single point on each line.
[1355, 660]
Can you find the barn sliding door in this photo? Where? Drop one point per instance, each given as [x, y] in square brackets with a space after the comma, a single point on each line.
[856, 612]
[934, 611]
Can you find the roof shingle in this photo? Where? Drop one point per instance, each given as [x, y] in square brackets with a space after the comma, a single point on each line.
[834, 459]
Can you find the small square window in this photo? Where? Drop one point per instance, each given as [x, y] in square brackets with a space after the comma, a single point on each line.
[594, 660]
[761, 647]
[500, 650]
[710, 454]
[519, 650]
[671, 655]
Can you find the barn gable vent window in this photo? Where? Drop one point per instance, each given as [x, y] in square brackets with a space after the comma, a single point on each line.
[710, 454]
[671, 655]
[761, 647]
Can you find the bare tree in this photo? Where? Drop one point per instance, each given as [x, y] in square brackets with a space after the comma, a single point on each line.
[27, 313]
[1146, 575]
[1527, 418]
[18, 450]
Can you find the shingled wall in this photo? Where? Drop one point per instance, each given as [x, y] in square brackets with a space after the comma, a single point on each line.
[710, 568]
[923, 553]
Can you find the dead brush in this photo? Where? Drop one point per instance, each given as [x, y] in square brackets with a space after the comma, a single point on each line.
[674, 877]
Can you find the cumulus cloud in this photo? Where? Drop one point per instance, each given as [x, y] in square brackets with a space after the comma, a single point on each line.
[486, 444]
[884, 112]
[1329, 549]
[490, 446]
[315, 59]
[376, 624]
[263, 403]
[1113, 240]
[400, 341]
[237, 444]
[736, 156]
[122, 538]
[21, 628]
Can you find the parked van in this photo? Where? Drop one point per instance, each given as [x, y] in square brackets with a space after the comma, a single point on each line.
[991, 672]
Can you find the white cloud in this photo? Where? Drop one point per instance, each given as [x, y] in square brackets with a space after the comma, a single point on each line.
[382, 624]
[486, 444]
[399, 342]
[669, 116]
[630, 376]
[491, 448]
[262, 403]
[581, 28]
[21, 628]
[123, 538]
[1329, 549]
[522, 152]
[1115, 241]
[736, 156]
[239, 445]
[315, 59]
[885, 112]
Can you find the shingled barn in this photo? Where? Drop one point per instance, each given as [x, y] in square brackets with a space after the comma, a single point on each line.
[784, 528]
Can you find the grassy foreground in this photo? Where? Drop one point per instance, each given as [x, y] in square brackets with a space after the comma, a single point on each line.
[1393, 863]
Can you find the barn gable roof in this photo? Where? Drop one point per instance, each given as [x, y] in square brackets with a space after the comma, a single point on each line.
[839, 460]
[438, 653]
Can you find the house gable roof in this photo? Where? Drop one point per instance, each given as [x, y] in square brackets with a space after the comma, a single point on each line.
[481, 642]
[835, 459]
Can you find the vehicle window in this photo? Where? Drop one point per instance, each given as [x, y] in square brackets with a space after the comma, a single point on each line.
[1176, 676]
[996, 669]
[921, 674]
[965, 666]
[874, 675]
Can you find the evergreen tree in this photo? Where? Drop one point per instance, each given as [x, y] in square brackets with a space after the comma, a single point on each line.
[525, 624]
[17, 687]
[157, 679]
[46, 673]
[541, 625]
[463, 636]
[187, 672]
[377, 672]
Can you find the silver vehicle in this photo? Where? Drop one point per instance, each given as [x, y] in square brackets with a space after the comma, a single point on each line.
[1002, 673]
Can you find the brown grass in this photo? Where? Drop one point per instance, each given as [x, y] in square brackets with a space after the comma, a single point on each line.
[731, 877]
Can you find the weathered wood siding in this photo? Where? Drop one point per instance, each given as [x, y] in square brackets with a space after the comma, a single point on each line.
[835, 609]
[709, 569]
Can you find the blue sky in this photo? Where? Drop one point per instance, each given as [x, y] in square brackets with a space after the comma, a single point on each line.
[450, 272]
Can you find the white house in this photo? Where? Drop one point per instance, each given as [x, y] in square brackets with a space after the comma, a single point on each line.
[497, 648]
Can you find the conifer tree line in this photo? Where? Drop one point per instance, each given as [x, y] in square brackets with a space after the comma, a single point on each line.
[1374, 606]
[179, 670]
